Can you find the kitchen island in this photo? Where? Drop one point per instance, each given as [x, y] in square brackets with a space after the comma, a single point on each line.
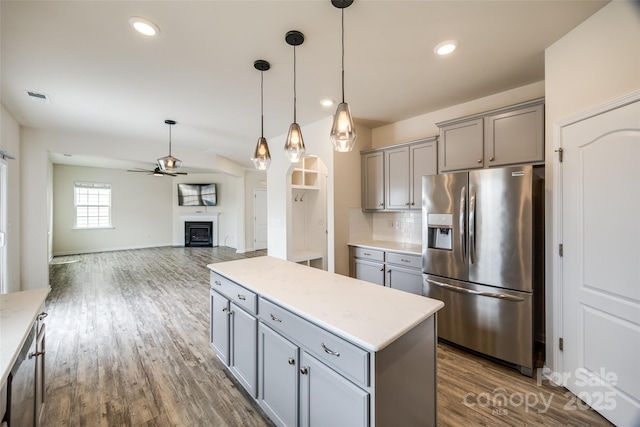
[318, 349]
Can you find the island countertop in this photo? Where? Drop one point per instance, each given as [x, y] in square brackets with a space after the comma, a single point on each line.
[368, 315]
[18, 311]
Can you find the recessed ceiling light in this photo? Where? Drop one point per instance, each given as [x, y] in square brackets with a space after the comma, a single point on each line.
[327, 102]
[446, 48]
[144, 26]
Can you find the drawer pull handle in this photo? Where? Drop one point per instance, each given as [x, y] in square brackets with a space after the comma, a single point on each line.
[241, 297]
[291, 361]
[304, 370]
[274, 318]
[217, 282]
[329, 351]
[404, 260]
[366, 253]
[42, 315]
[36, 354]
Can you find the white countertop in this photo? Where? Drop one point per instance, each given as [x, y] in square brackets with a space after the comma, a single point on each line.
[368, 315]
[18, 311]
[407, 248]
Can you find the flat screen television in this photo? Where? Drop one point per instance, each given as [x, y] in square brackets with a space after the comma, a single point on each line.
[197, 195]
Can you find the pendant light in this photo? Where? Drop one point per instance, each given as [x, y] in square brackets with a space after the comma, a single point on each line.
[294, 145]
[261, 157]
[343, 131]
[169, 163]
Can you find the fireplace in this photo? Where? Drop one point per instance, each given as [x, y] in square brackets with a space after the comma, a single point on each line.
[198, 233]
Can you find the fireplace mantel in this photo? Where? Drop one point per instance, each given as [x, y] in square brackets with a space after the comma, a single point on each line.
[199, 217]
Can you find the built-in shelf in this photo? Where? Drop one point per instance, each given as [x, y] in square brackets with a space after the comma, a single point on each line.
[305, 175]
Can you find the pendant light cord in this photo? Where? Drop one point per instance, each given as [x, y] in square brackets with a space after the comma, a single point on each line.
[262, 104]
[343, 52]
[294, 84]
[170, 140]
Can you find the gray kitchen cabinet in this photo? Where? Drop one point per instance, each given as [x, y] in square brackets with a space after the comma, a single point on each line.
[397, 178]
[370, 271]
[329, 399]
[400, 187]
[514, 137]
[423, 160]
[387, 268]
[234, 329]
[242, 360]
[505, 136]
[373, 181]
[461, 146]
[404, 279]
[277, 377]
[219, 328]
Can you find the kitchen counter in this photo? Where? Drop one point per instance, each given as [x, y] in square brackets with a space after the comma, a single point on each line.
[18, 311]
[407, 248]
[366, 314]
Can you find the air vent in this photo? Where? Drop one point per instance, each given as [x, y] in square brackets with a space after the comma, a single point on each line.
[39, 97]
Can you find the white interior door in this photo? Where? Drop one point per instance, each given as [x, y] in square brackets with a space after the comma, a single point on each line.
[601, 262]
[260, 219]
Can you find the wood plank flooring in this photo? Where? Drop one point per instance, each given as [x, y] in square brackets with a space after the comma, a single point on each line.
[127, 345]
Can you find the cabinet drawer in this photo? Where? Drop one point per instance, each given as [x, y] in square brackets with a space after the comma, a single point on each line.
[236, 293]
[371, 254]
[347, 358]
[404, 260]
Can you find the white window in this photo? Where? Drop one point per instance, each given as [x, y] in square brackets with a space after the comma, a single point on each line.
[93, 205]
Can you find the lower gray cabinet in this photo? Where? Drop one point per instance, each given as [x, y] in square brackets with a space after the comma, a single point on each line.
[277, 377]
[328, 399]
[370, 271]
[219, 328]
[404, 279]
[243, 357]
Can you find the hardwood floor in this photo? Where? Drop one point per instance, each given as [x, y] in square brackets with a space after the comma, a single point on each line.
[127, 345]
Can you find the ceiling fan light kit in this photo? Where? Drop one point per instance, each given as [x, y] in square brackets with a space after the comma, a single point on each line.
[261, 157]
[169, 163]
[294, 145]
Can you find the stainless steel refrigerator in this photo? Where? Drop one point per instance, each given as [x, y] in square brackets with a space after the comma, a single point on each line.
[483, 255]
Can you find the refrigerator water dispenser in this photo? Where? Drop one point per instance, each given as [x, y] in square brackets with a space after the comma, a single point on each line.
[439, 231]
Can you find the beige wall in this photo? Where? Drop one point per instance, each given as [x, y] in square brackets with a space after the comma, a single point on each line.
[140, 211]
[425, 125]
[10, 142]
[346, 192]
[595, 63]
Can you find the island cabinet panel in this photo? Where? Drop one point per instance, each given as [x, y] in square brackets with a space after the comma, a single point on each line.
[243, 357]
[329, 399]
[278, 377]
[219, 328]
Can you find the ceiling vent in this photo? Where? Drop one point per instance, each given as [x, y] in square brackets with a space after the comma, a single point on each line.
[39, 97]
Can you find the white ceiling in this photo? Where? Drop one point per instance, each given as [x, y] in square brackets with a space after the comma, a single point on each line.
[105, 79]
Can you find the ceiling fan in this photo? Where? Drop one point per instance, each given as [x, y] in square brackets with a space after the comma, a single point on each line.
[167, 165]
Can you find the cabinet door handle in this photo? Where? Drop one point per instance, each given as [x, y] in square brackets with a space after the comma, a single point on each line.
[304, 370]
[381, 204]
[382, 269]
[491, 159]
[408, 203]
[413, 203]
[329, 351]
[226, 310]
[42, 315]
[479, 160]
[274, 318]
[241, 297]
[217, 282]
[36, 354]
[291, 361]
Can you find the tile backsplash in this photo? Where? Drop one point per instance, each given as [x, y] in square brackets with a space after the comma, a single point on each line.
[403, 227]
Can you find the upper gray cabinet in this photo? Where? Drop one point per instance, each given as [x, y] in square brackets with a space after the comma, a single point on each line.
[506, 136]
[373, 181]
[401, 183]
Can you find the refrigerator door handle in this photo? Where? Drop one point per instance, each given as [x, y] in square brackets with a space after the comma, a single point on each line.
[472, 225]
[461, 223]
[473, 292]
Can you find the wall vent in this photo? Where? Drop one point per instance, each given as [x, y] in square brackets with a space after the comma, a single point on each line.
[36, 96]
